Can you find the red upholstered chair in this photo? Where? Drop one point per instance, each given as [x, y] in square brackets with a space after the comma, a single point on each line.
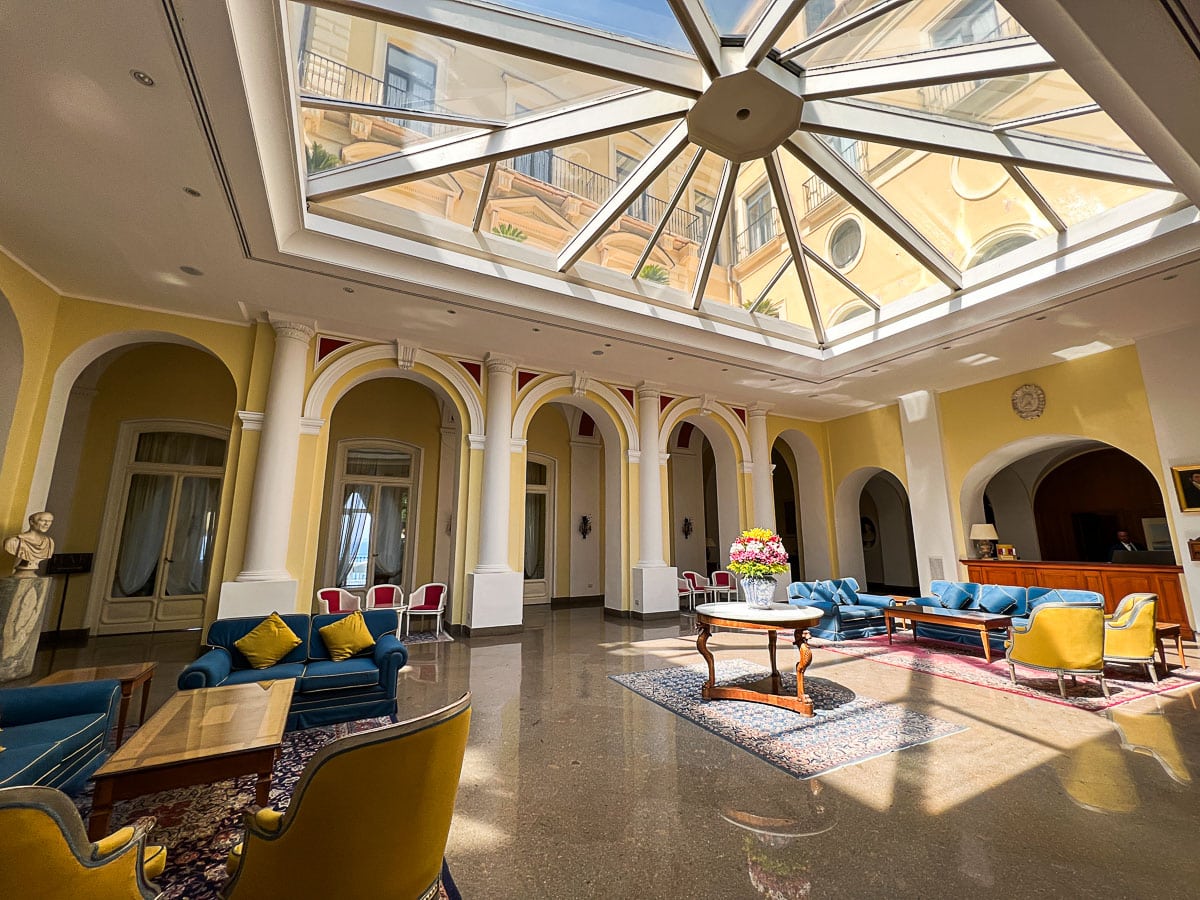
[336, 600]
[427, 600]
[724, 586]
[699, 586]
[686, 594]
[388, 596]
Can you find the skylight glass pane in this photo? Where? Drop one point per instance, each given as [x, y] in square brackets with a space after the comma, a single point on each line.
[735, 16]
[784, 300]
[1095, 129]
[1077, 199]
[721, 287]
[354, 58]
[645, 20]
[990, 101]
[917, 27]
[417, 207]
[836, 302]
[333, 139]
[958, 204]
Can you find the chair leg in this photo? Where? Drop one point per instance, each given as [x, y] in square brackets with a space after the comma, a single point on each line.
[1012, 673]
[1062, 686]
[1153, 670]
[1104, 687]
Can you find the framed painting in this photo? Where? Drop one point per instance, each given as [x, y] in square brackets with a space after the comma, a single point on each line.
[1187, 487]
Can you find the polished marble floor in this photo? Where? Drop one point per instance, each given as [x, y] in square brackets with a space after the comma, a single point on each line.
[574, 786]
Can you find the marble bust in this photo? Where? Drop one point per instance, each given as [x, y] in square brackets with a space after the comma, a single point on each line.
[33, 546]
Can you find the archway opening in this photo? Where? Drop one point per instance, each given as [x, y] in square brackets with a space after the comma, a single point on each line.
[787, 507]
[808, 476]
[888, 547]
[703, 495]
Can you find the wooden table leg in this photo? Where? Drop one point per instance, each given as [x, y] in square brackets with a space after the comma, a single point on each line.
[702, 636]
[801, 638]
[123, 710]
[1179, 647]
[145, 699]
[987, 645]
[776, 682]
[101, 809]
[889, 621]
[262, 789]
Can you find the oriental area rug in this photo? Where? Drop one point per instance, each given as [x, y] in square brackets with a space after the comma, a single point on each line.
[199, 825]
[966, 664]
[847, 728]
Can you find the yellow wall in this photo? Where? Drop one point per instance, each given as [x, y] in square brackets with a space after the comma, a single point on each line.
[156, 381]
[867, 439]
[390, 409]
[549, 436]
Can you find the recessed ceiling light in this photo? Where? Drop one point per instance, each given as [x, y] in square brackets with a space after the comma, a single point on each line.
[724, 368]
[190, 270]
[774, 379]
[608, 345]
[191, 192]
[597, 353]
[537, 329]
[1040, 319]
[1171, 277]
[348, 289]
[141, 78]
[813, 396]
[452, 312]
[874, 370]
[947, 347]
[670, 359]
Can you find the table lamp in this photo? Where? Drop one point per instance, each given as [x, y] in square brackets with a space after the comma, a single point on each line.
[984, 537]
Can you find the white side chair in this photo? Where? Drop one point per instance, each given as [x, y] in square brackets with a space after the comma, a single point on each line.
[699, 586]
[724, 586]
[388, 596]
[336, 600]
[686, 594]
[427, 600]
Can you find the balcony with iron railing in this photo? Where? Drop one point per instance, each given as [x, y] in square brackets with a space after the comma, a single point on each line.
[759, 232]
[941, 98]
[817, 191]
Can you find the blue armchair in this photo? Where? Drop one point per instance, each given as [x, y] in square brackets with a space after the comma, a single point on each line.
[845, 612]
[56, 735]
[327, 690]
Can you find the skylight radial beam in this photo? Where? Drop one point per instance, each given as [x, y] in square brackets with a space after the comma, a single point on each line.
[536, 37]
[769, 28]
[485, 191]
[1044, 118]
[774, 280]
[791, 229]
[397, 112]
[701, 33]
[842, 279]
[854, 189]
[828, 34]
[666, 216]
[938, 135]
[1036, 198]
[940, 67]
[584, 122]
[639, 181]
[708, 253]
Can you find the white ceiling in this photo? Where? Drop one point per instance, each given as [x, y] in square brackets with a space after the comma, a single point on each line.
[92, 200]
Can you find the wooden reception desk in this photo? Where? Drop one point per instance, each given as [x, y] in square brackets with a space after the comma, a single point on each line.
[1113, 580]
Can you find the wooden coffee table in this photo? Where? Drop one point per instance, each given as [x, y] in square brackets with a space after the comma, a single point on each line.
[198, 736]
[740, 615]
[130, 676]
[1166, 630]
[982, 622]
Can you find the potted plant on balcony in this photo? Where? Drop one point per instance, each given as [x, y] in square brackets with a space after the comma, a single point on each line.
[758, 556]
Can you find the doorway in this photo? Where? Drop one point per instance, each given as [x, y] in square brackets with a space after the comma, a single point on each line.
[539, 528]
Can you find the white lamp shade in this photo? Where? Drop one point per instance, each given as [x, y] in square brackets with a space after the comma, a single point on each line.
[984, 533]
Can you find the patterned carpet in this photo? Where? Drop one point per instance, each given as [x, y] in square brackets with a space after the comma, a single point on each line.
[847, 728]
[427, 637]
[966, 664]
[199, 825]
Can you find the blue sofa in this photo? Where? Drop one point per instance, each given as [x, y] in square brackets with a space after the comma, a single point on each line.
[846, 613]
[326, 691]
[1000, 599]
[56, 735]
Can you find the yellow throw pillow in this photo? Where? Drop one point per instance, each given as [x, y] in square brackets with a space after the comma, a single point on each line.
[347, 636]
[269, 642]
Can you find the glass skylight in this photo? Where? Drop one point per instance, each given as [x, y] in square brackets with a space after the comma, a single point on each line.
[730, 154]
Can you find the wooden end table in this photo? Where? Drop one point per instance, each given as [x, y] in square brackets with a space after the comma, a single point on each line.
[1166, 630]
[198, 736]
[740, 615]
[957, 618]
[130, 676]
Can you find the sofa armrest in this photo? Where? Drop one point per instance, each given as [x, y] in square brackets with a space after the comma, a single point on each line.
[924, 601]
[38, 703]
[824, 606]
[876, 600]
[391, 656]
[208, 671]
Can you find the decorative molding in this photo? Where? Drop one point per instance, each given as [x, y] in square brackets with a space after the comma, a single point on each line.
[663, 457]
[292, 330]
[747, 468]
[620, 414]
[708, 405]
[327, 346]
[406, 356]
[474, 369]
[579, 383]
[759, 409]
[311, 425]
[647, 391]
[1029, 401]
[498, 364]
[476, 441]
[251, 421]
[525, 377]
[633, 456]
[518, 445]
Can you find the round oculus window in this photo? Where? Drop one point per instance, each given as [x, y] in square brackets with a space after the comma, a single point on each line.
[845, 243]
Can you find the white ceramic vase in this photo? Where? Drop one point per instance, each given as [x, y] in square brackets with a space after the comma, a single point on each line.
[759, 592]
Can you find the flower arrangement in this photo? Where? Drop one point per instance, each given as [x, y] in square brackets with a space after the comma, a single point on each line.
[758, 553]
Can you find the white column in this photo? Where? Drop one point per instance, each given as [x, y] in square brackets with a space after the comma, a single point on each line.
[495, 591]
[928, 493]
[763, 487]
[1170, 369]
[654, 591]
[269, 528]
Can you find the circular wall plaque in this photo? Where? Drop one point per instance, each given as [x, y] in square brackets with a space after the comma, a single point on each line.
[1029, 401]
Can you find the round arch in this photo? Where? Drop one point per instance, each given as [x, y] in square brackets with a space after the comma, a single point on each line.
[810, 485]
[851, 562]
[461, 390]
[728, 474]
[696, 407]
[65, 377]
[614, 423]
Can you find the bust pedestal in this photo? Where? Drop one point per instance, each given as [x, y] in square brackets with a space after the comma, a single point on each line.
[22, 608]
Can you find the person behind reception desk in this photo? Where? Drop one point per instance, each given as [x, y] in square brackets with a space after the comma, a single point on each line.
[1123, 544]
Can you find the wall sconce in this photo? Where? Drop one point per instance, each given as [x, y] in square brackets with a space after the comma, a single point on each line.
[687, 528]
[585, 526]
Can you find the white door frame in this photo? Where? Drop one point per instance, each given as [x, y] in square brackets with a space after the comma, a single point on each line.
[550, 489]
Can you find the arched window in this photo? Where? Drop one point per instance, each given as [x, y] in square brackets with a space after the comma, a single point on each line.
[999, 246]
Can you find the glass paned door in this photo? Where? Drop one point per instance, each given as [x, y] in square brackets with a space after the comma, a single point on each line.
[539, 503]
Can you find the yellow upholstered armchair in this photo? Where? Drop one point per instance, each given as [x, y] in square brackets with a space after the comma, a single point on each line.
[369, 817]
[46, 854]
[1129, 636]
[1063, 638]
